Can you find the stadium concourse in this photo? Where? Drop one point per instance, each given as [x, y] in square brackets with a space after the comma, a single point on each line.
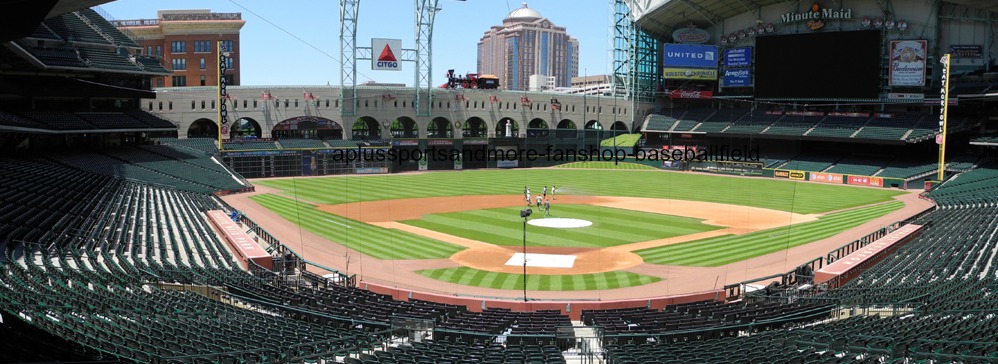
[108, 254]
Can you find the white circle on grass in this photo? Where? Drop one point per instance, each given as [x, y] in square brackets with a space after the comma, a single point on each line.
[560, 222]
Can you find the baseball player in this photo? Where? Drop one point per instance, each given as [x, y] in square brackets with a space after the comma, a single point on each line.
[539, 201]
[526, 193]
[547, 207]
[553, 187]
[545, 192]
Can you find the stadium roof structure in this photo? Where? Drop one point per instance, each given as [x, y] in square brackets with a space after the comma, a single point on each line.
[20, 23]
[662, 17]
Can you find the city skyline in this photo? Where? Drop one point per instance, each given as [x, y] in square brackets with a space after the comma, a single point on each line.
[274, 49]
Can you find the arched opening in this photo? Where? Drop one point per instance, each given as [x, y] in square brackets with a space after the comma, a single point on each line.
[307, 127]
[537, 128]
[245, 128]
[475, 128]
[404, 127]
[566, 129]
[203, 128]
[439, 128]
[507, 128]
[593, 130]
[365, 128]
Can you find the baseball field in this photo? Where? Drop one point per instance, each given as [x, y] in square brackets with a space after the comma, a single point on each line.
[465, 226]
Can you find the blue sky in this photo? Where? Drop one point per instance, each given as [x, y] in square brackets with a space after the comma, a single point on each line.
[270, 56]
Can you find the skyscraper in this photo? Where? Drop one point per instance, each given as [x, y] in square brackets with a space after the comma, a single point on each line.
[186, 40]
[528, 44]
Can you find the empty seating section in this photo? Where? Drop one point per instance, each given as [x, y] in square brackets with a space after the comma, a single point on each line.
[926, 128]
[434, 352]
[752, 123]
[74, 29]
[691, 118]
[837, 126]
[811, 162]
[204, 145]
[63, 57]
[893, 128]
[58, 120]
[720, 120]
[658, 122]
[793, 125]
[104, 58]
[302, 144]
[111, 120]
[977, 186]
[151, 64]
[43, 32]
[858, 165]
[115, 167]
[249, 145]
[151, 120]
[106, 27]
[907, 168]
[7, 118]
[469, 326]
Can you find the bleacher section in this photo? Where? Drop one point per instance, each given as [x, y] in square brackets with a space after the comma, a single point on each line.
[837, 126]
[893, 128]
[249, 145]
[795, 125]
[107, 59]
[691, 118]
[752, 123]
[859, 165]
[58, 120]
[720, 120]
[205, 145]
[103, 26]
[906, 169]
[812, 162]
[657, 122]
[302, 144]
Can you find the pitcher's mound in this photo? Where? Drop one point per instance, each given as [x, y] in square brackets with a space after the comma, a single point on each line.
[560, 222]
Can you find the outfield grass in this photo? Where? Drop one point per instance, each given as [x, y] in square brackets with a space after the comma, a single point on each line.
[537, 282]
[606, 165]
[611, 226]
[726, 249]
[799, 197]
[368, 239]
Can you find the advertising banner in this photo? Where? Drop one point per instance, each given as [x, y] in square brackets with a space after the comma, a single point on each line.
[690, 74]
[690, 55]
[781, 174]
[826, 177]
[690, 35]
[684, 94]
[737, 78]
[385, 54]
[907, 63]
[866, 181]
[738, 57]
[966, 51]
[795, 175]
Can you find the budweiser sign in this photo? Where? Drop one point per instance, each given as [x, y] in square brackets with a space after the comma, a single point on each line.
[684, 94]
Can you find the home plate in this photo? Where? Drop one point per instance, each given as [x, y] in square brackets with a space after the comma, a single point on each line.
[560, 222]
[543, 260]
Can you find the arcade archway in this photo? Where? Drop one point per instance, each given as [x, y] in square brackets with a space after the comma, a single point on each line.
[203, 128]
[475, 128]
[404, 127]
[307, 127]
[365, 128]
[439, 127]
[537, 128]
[245, 128]
[507, 128]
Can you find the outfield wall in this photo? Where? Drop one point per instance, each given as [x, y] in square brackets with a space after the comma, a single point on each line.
[570, 308]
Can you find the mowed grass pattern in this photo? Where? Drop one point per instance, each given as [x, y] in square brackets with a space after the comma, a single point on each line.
[368, 239]
[537, 282]
[606, 165]
[611, 226]
[783, 195]
[726, 249]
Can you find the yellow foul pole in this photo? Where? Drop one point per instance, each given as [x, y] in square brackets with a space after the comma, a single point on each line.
[219, 101]
[944, 99]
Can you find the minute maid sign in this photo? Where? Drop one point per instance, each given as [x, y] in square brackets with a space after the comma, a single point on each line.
[816, 17]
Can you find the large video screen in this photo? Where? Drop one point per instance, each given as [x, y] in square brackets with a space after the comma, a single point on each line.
[818, 65]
